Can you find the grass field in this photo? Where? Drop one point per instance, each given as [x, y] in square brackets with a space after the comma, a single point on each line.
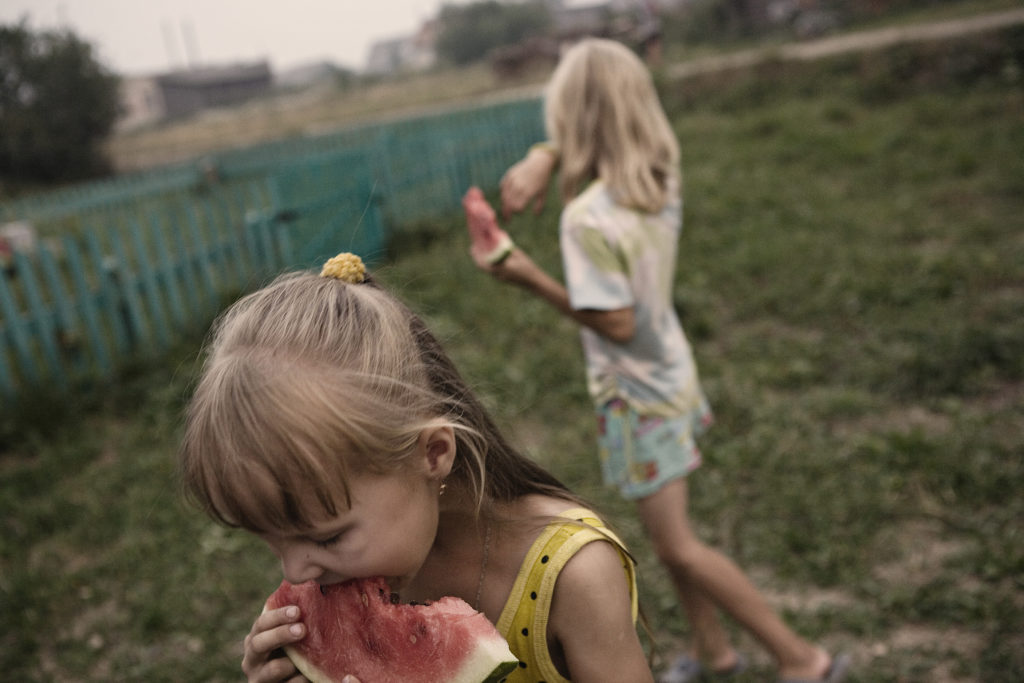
[852, 278]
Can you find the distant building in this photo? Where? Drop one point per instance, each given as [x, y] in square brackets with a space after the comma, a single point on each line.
[193, 90]
[385, 56]
[620, 19]
[142, 103]
[405, 53]
[581, 20]
[307, 75]
[150, 99]
[635, 23]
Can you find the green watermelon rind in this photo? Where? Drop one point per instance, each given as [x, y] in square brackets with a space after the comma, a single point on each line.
[500, 253]
[483, 228]
[306, 667]
[500, 672]
[478, 667]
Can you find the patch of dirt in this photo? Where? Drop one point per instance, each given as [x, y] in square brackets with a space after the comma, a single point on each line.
[903, 421]
[88, 627]
[811, 600]
[1007, 400]
[950, 643]
[923, 549]
[913, 637]
[925, 546]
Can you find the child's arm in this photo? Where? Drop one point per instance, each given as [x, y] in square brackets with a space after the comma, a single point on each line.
[528, 179]
[271, 631]
[591, 619]
[618, 325]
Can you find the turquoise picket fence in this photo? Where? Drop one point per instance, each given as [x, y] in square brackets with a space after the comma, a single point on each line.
[76, 307]
[122, 268]
[326, 204]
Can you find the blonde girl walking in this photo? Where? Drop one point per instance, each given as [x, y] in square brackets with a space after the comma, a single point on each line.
[618, 162]
[329, 422]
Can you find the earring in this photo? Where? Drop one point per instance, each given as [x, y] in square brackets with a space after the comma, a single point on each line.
[444, 485]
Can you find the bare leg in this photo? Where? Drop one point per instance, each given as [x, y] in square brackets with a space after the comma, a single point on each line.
[705, 577]
[710, 640]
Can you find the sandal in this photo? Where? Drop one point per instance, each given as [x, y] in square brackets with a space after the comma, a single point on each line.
[686, 669]
[836, 672]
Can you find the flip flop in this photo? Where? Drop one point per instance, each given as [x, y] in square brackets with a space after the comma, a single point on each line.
[836, 672]
[686, 669]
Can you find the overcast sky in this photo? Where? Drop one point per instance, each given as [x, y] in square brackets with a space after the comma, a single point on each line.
[135, 37]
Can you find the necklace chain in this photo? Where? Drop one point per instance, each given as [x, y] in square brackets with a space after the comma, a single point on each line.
[483, 566]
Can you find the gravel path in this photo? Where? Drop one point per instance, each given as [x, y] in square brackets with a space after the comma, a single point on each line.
[859, 41]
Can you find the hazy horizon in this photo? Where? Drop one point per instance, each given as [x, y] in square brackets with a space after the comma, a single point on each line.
[151, 36]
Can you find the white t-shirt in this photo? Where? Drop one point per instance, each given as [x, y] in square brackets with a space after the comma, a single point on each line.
[615, 257]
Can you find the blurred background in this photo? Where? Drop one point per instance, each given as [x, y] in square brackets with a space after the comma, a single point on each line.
[850, 276]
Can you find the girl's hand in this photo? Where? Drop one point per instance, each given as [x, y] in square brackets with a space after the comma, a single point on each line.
[263, 661]
[527, 180]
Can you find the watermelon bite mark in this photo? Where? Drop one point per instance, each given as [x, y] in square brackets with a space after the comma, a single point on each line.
[356, 628]
[488, 241]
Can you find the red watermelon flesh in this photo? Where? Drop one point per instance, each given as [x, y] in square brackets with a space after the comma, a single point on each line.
[488, 240]
[355, 628]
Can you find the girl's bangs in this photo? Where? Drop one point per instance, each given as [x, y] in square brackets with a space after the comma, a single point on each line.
[271, 445]
[267, 465]
[260, 498]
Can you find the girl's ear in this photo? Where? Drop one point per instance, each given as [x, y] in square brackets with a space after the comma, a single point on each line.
[437, 445]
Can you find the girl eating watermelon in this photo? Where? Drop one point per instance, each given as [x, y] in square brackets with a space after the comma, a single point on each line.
[329, 421]
[619, 175]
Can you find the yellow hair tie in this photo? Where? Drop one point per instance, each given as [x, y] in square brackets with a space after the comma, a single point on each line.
[346, 267]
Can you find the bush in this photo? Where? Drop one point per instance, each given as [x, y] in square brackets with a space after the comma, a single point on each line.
[57, 103]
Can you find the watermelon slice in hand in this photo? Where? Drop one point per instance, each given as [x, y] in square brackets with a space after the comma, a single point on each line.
[490, 244]
[356, 628]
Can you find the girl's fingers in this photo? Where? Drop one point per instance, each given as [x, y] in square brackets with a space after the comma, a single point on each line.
[272, 630]
[274, 626]
[265, 642]
[280, 669]
[275, 617]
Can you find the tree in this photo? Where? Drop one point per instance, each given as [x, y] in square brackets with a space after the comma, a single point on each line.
[57, 104]
[469, 32]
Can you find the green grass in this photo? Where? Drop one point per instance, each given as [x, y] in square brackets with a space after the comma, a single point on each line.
[852, 277]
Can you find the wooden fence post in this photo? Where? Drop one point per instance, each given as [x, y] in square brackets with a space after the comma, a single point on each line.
[42, 318]
[23, 347]
[146, 277]
[86, 299]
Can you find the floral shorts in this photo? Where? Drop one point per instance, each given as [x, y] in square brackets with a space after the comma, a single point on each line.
[641, 453]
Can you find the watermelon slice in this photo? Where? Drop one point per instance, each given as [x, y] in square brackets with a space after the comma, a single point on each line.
[359, 628]
[489, 242]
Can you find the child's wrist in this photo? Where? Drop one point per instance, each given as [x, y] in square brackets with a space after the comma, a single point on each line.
[548, 148]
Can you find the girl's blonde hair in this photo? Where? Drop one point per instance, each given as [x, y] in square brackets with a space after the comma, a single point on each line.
[603, 114]
[312, 379]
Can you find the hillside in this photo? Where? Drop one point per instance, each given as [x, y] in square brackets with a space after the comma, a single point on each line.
[324, 109]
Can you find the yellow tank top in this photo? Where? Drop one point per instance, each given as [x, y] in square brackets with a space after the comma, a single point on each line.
[523, 621]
